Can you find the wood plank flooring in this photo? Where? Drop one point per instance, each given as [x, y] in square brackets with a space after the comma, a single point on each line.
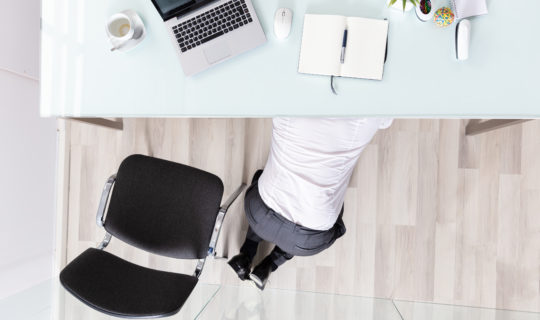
[431, 215]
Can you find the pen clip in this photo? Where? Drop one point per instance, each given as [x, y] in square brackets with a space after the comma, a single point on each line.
[343, 46]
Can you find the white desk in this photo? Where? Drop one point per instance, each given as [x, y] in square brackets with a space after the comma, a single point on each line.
[80, 77]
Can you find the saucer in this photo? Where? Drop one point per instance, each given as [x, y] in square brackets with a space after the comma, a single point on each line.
[138, 35]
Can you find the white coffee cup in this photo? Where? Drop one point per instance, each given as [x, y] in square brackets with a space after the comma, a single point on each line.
[125, 29]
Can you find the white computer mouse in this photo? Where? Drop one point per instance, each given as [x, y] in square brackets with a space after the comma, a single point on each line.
[463, 39]
[283, 23]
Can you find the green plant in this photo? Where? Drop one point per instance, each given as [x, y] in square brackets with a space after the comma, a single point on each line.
[414, 2]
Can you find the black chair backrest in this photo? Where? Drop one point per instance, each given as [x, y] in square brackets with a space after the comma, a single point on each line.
[164, 207]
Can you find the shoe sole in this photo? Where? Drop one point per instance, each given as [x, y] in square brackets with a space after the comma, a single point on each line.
[238, 273]
[258, 283]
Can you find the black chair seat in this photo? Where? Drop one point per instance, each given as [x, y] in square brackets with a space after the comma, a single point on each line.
[121, 288]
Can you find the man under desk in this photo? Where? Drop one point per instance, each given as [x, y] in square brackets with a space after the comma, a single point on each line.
[296, 203]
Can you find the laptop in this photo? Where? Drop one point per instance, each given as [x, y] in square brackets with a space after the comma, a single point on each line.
[207, 32]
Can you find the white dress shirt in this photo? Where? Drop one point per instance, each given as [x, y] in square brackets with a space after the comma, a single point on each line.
[310, 164]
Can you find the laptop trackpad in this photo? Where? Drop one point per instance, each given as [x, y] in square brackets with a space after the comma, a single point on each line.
[217, 52]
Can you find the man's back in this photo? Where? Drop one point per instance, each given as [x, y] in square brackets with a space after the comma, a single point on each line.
[310, 164]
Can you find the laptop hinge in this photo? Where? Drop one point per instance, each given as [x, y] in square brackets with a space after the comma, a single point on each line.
[195, 8]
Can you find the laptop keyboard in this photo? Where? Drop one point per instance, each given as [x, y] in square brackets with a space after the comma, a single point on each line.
[212, 24]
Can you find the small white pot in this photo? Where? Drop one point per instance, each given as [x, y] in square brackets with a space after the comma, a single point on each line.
[425, 16]
[399, 5]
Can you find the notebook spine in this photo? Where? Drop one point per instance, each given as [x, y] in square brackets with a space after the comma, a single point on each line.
[454, 9]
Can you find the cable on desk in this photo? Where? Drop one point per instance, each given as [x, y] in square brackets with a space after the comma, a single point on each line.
[332, 85]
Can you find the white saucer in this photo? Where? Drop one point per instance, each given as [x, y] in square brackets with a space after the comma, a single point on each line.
[138, 35]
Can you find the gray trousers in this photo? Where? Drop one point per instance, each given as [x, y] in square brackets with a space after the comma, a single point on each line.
[290, 239]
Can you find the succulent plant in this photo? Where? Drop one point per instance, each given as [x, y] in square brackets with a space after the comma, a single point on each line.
[414, 2]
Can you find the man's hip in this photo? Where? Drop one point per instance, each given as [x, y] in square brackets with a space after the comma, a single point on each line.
[290, 237]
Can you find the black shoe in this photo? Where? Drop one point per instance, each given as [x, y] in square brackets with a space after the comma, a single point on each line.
[256, 176]
[261, 273]
[241, 264]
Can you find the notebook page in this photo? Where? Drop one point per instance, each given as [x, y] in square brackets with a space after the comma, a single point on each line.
[321, 44]
[469, 8]
[366, 47]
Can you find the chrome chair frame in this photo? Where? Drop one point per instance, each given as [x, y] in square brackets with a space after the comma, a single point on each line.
[104, 201]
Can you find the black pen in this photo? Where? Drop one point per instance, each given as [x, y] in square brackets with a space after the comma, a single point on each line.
[343, 46]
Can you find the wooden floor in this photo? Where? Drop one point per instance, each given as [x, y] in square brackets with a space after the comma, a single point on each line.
[431, 215]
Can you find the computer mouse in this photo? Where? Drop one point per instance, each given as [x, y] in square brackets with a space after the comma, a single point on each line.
[463, 39]
[283, 23]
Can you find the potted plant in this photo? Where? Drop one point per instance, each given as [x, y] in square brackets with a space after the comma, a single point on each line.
[404, 5]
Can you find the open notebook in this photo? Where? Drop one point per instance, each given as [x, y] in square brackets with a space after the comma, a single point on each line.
[469, 8]
[322, 41]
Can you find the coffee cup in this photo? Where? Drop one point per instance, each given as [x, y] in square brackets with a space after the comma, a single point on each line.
[125, 30]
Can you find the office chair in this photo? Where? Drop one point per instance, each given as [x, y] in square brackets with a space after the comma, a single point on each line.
[161, 207]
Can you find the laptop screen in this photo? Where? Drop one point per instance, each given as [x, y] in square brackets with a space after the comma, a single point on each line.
[171, 8]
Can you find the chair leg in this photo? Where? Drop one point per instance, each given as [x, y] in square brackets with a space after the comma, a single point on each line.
[105, 242]
[199, 268]
[220, 217]
[233, 197]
